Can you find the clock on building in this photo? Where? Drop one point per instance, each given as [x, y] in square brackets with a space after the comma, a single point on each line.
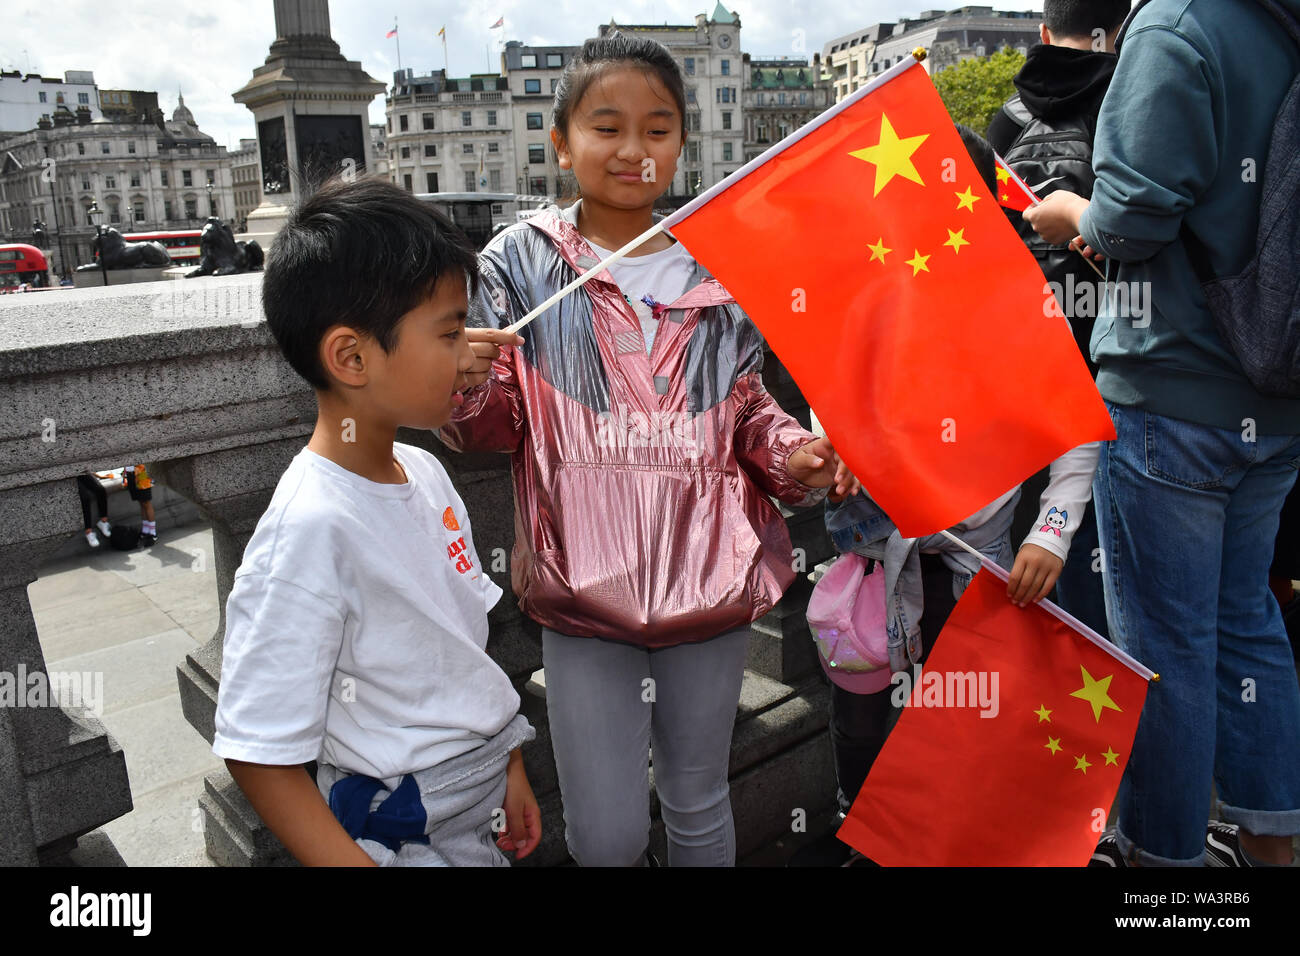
[724, 41]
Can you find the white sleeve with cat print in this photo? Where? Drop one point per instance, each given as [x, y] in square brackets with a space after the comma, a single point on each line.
[1060, 509]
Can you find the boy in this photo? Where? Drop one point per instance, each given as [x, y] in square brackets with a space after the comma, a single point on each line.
[356, 627]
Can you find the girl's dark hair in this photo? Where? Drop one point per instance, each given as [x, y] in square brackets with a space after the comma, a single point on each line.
[600, 54]
[359, 254]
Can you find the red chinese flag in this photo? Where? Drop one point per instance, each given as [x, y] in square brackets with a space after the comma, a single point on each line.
[1012, 191]
[1011, 746]
[881, 271]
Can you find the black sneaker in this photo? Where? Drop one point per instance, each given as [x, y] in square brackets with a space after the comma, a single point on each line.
[1223, 845]
[146, 540]
[1107, 852]
[825, 850]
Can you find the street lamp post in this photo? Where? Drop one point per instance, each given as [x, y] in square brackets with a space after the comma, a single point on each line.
[212, 210]
[63, 259]
[96, 214]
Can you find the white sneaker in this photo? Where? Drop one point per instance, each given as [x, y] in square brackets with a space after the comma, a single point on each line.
[105, 528]
[92, 539]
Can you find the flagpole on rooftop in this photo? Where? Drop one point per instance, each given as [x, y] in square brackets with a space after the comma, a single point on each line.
[1133, 663]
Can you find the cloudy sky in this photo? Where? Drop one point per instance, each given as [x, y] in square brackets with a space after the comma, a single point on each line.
[208, 49]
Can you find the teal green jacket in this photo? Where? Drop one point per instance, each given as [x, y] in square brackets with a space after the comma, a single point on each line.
[1183, 138]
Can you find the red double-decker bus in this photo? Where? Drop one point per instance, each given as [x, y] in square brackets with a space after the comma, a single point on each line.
[21, 263]
[182, 246]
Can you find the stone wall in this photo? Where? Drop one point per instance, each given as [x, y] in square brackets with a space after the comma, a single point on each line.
[185, 377]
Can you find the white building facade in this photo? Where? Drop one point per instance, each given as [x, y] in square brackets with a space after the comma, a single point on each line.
[144, 176]
[24, 100]
[448, 134]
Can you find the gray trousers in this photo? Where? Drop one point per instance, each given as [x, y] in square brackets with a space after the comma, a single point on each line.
[459, 796]
[609, 704]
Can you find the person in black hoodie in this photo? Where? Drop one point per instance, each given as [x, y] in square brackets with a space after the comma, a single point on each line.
[1044, 133]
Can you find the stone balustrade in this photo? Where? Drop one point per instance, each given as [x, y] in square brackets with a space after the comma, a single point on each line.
[185, 377]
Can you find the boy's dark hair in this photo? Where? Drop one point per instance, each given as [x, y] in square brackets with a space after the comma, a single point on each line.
[981, 154]
[1078, 18]
[599, 55]
[359, 254]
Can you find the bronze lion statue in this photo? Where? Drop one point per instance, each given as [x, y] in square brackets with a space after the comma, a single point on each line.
[117, 253]
[221, 255]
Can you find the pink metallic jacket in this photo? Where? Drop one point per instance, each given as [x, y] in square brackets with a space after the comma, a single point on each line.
[641, 481]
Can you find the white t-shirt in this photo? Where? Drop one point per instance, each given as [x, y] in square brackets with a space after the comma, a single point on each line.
[660, 276]
[356, 627]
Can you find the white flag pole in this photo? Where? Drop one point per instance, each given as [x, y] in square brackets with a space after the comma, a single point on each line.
[1133, 663]
[595, 270]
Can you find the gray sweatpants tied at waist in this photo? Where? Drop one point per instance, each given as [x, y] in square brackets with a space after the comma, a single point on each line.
[459, 796]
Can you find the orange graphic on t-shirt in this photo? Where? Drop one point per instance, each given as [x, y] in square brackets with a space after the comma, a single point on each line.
[449, 520]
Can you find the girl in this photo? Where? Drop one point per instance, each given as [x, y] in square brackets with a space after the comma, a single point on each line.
[645, 448]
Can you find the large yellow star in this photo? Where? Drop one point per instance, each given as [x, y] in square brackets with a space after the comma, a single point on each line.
[1081, 763]
[1003, 175]
[1111, 757]
[1053, 744]
[1095, 693]
[967, 200]
[957, 240]
[878, 251]
[1043, 713]
[918, 262]
[891, 156]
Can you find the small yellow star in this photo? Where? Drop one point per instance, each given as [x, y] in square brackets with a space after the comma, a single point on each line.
[957, 240]
[1005, 197]
[1081, 763]
[1095, 693]
[918, 262]
[1111, 757]
[878, 251]
[1053, 744]
[1003, 175]
[1043, 713]
[967, 200]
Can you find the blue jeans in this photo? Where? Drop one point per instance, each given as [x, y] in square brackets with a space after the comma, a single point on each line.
[608, 705]
[1187, 515]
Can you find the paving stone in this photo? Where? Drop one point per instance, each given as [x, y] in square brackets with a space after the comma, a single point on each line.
[75, 582]
[67, 630]
[186, 598]
[164, 825]
[135, 672]
[160, 746]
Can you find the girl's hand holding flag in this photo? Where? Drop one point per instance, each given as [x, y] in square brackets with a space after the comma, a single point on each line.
[818, 466]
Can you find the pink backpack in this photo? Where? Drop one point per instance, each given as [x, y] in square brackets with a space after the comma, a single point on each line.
[846, 615]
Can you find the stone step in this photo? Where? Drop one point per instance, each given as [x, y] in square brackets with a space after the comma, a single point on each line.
[782, 647]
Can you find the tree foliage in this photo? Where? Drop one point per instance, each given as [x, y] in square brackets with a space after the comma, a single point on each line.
[975, 89]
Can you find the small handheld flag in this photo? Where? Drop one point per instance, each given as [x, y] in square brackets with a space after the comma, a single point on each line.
[1012, 191]
[1015, 707]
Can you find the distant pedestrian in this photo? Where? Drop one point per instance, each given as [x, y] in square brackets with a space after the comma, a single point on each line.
[89, 489]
